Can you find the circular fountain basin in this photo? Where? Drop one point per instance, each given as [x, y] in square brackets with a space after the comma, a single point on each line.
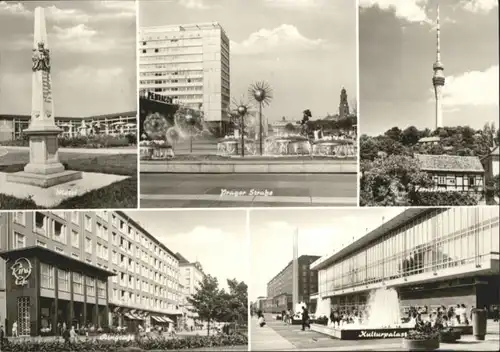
[334, 148]
[287, 145]
[232, 147]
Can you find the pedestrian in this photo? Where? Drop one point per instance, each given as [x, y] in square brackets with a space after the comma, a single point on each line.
[458, 314]
[2, 337]
[305, 318]
[67, 338]
[261, 320]
[495, 314]
[14, 329]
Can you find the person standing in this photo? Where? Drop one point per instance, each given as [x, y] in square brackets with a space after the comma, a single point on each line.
[2, 337]
[14, 329]
[305, 318]
[495, 314]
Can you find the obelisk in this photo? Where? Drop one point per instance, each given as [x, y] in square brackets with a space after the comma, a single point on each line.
[295, 268]
[44, 168]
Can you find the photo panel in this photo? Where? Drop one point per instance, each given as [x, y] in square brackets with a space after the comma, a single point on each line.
[248, 103]
[68, 104]
[428, 75]
[115, 280]
[402, 278]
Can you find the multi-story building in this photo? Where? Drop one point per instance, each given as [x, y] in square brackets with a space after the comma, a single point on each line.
[431, 257]
[12, 126]
[191, 275]
[189, 64]
[280, 288]
[97, 268]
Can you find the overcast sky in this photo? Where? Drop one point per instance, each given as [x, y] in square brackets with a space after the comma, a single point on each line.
[92, 53]
[216, 238]
[305, 49]
[321, 232]
[397, 44]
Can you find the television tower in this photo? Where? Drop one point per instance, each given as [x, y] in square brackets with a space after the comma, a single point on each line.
[438, 77]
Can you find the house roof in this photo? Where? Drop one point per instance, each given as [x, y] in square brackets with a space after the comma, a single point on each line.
[429, 139]
[450, 163]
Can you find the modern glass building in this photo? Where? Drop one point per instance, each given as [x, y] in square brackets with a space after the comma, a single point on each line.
[431, 256]
[97, 268]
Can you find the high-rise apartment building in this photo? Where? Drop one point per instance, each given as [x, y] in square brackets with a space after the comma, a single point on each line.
[191, 65]
[97, 268]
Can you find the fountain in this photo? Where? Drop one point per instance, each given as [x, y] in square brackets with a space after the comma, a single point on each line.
[381, 319]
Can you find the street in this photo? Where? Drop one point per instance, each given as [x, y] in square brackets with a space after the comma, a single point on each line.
[247, 190]
[280, 337]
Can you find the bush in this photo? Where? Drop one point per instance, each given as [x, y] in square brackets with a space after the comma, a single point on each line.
[322, 320]
[423, 332]
[444, 199]
[145, 344]
[93, 141]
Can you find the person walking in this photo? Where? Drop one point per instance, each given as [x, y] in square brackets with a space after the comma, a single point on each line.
[261, 320]
[305, 318]
[66, 335]
[495, 314]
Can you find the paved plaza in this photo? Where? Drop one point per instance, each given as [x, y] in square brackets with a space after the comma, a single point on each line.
[204, 190]
[280, 337]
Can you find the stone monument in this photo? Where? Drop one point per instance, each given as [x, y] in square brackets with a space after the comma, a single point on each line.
[44, 168]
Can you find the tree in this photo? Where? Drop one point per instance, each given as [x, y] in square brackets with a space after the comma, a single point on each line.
[290, 128]
[394, 134]
[410, 136]
[236, 301]
[390, 181]
[208, 301]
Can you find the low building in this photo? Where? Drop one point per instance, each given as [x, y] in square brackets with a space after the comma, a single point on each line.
[191, 276]
[429, 140]
[11, 126]
[280, 127]
[430, 256]
[453, 173]
[97, 268]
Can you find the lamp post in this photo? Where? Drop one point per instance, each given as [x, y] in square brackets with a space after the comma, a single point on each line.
[261, 92]
[242, 111]
[191, 122]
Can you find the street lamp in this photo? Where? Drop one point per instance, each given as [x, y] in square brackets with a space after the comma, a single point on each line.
[242, 111]
[261, 92]
[191, 122]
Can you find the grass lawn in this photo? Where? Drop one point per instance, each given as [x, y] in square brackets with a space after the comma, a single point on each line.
[121, 194]
[213, 157]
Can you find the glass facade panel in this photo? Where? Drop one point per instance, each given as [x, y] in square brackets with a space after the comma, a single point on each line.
[440, 239]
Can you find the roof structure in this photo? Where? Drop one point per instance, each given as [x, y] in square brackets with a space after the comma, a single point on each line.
[449, 163]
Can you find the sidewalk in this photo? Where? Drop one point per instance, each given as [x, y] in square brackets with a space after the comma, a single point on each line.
[266, 339]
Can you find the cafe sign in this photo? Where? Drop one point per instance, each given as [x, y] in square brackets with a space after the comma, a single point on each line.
[21, 270]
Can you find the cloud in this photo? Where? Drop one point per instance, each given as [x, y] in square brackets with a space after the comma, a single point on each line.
[62, 15]
[16, 9]
[474, 88]
[409, 10]
[194, 4]
[83, 39]
[298, 4]
[86, 76]
[118, 9]
[479, 6]
[285, 38]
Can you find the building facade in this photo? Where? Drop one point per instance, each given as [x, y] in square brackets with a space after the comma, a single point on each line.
[191, 276]
[191, 65]
[280, 288]
[453, 173]
[431, 256]
[96, 268]
[12, 126]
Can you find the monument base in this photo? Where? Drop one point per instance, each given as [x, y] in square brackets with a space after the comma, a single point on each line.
[42, 180]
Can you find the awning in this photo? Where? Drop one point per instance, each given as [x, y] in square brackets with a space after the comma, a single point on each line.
[168, 320]
[130, 316]
[158, 319]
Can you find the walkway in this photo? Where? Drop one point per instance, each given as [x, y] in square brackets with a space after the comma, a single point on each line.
[266, 339]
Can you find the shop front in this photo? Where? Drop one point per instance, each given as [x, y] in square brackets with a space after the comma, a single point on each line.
[46, 290]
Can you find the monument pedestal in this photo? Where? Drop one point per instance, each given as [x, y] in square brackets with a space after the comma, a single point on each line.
[44, 169]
